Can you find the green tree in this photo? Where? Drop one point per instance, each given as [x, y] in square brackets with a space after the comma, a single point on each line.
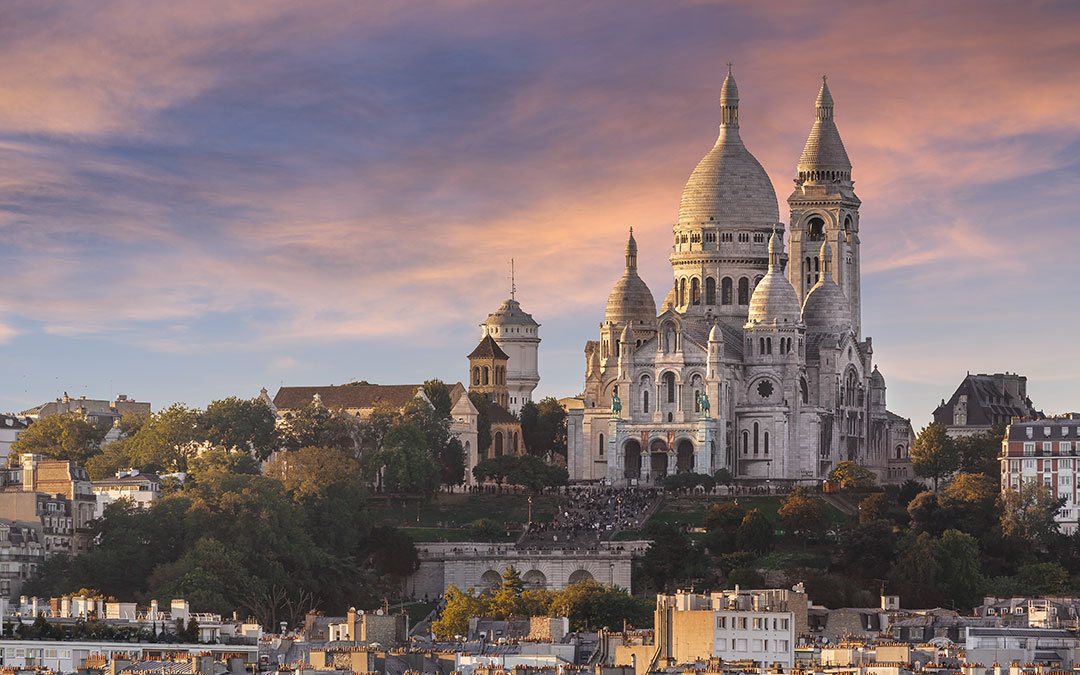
[590, 605]
[167, 439]
[504, 597]
[543, 427]
[671, 560]
[68, 437]
[1027, 516]
[754, 533]
[405, 464]
[874, 507]
[927, 514]
[438, 394]
[802, 515]
[247, 425]
[972, 500]
[960, 577]
[722, 522]
[459, 607]
[978, 453]
[219, 458]
[483, 422]
[315, 425]
[307, 472]
[933, 453]
[915, 570]
[853, 476]
[868, 548]
[747, 577]
[724, 477]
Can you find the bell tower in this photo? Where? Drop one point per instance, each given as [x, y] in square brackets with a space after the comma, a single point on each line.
[487, 372]
[824, 208]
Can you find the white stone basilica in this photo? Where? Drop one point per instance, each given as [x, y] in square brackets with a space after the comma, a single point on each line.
[746, 368]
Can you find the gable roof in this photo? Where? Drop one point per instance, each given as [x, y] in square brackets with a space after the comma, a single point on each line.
[989, 401]
[488, 349]
[348, 396]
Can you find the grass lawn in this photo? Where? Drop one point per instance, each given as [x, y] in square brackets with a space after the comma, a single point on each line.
[690, 510]
[459, 510]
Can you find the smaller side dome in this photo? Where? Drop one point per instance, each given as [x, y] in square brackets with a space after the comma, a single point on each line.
[826, 309]
[774, 300]
[714, 334]
[877, 380]
[625, 336]
[630, 301]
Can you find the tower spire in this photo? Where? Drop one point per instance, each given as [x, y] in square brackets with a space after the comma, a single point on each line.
[631, 253]
[729, 101]
[513, 285]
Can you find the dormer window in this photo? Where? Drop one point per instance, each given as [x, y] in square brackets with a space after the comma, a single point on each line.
[1046, 432]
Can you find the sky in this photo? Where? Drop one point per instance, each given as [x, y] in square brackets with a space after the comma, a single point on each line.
[201, 199]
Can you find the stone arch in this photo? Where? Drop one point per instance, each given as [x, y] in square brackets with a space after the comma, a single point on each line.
[671, 382]
[710, 291]
[684, 456]
[744, 291]
[725, 291]
[695, 291]
[490, 580]
[632, 459]
[579, 575]
[535, 580]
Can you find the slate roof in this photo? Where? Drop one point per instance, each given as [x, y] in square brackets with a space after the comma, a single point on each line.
[488, 349]
[988, 403]
[12, 422]
[349, 396]
[499, 414]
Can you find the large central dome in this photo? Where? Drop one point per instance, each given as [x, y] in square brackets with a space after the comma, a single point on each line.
[729, 186]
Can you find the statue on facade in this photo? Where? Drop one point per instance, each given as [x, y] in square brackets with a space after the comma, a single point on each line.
[703, 403]
[616, 404]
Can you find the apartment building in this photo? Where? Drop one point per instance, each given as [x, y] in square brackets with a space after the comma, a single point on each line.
[1047, 452]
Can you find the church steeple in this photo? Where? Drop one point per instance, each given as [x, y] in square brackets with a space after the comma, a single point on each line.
[825, 210]
[824, 159]
[631, 253]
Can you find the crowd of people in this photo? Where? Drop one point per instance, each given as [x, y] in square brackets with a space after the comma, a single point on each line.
[589, 515]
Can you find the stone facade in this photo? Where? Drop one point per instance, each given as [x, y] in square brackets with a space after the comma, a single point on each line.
[518, 335]
[480, 566]
[748, 367]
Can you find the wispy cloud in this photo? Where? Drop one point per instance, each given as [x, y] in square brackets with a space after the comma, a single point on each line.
[237, 176]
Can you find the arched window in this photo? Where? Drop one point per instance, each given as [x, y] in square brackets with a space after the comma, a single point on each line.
[516, 443]
[768, 345]
[485, 374]
[695, 386]
[817, 269]
[745, 442]
[804, 390]
[710, 291]
[808, 272]
[725, 291]
[899, 452]
[695, 291]
[682, 292]
[766, 442]
[476, 375]
[761, 346]
[669, 384]
[756, 434]
[645, 401]
[498, 444]
[744, 291]
[601, 445]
